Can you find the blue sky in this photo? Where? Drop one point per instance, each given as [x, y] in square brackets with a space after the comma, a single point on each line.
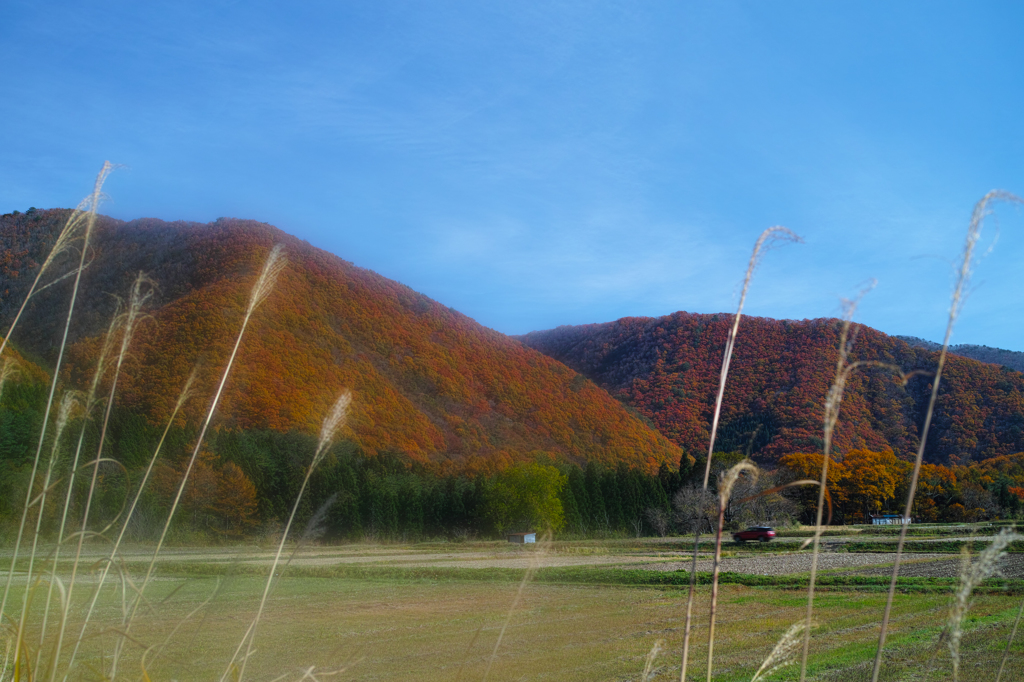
[537, 164]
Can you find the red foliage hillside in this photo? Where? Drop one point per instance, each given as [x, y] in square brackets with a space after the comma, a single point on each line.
[667, 368]
[428, 381]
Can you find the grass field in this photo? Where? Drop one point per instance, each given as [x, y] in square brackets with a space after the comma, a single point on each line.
[434, 612]
[424, 630]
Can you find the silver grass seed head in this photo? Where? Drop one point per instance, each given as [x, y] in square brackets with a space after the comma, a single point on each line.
[729, 478]
[186, 391]
[975, 572]
[9, 369]
[652, 656]
[142, 291]
[275, 263]
[334, 421]
[69, 405]
[81, 217]
[784, 652]
[771, 237]
[963, 275]
[971, 575]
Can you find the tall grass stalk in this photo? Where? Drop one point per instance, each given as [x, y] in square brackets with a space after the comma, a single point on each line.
[68, 234]
[1009, 642]
[66, 409]
[92, 204]
[534, 565]
[68, 404]
[272, 268]
[833, 401]
[90, 404]
[971, 575]
[183, 397]
[963, 276]
[334, 421]
[126, 324]
[771, 237]
[725, 485]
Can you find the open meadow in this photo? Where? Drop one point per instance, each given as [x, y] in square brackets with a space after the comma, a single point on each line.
[588, 610]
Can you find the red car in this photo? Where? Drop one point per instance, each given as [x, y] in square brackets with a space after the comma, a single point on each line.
[762, 533]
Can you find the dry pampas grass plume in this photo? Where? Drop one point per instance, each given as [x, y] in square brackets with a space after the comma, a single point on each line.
[725, 485]
[334, 420]
[784, 652]
[963, 275]
[972, 573]
[87, 213]
[652, 656]
[768, 239]
[272, 268]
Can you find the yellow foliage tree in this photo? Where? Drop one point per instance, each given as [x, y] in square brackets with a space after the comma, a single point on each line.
[807, 466]
[525, 496]
[872, 478]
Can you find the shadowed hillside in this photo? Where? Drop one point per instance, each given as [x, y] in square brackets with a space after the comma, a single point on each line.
[428, 381]
[667, 368]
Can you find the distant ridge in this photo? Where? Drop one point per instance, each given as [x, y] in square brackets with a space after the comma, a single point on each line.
[667, 368]
[1010, 359]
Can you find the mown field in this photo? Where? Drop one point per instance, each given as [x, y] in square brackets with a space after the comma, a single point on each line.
[591, 610]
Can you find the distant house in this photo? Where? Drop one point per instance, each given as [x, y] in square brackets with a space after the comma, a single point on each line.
[889, 519]
[522, 538]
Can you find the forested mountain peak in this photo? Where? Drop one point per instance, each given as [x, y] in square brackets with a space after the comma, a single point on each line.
[429, 382]
[667, 368]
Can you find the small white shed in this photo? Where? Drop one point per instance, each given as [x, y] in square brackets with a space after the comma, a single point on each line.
[522, 538]
[889, 519]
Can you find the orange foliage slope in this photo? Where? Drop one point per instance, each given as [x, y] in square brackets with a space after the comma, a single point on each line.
[667, 368]
[428, 381]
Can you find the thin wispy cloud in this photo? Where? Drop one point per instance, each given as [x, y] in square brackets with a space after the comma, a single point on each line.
[539, 163]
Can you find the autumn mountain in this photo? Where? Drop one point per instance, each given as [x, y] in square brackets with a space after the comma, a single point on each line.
[429, 382]
[667, 368]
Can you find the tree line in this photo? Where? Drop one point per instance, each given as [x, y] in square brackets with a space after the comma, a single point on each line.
[245, 482]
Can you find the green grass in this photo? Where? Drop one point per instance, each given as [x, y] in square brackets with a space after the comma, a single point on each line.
[406, 625]
[588, 575]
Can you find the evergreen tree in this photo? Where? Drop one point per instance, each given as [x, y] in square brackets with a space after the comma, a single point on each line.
[595, 496]
[612, 500]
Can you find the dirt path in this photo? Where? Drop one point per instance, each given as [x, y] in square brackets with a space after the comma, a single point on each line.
[496, 555]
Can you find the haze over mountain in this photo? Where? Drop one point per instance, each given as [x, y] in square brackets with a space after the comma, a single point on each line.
[667, 368]
[1011, 359]
[429, 382]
